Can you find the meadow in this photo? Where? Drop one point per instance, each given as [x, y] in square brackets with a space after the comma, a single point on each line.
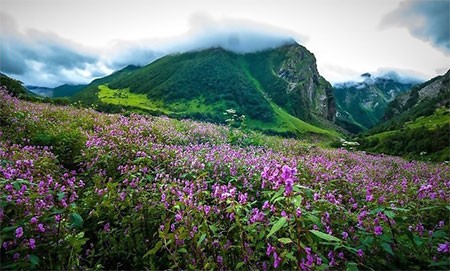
[86, 190]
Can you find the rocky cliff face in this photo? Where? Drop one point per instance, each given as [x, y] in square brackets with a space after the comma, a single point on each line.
[293, 82]
[299, 70]
[433, 93]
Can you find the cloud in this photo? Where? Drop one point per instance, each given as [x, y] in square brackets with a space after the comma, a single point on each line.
[237, 35]
[426, 20]
[402, 76]
[41, 58]
[47, 59]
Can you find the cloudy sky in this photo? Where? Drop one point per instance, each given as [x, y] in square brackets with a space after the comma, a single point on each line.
[51, 42]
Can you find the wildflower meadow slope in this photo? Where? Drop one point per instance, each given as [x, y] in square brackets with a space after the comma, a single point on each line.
[85, 190]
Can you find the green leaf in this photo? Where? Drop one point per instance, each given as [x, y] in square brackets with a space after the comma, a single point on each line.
[285, 240]
[297, 201]
[439, 234]
[418, 241]
[368, 241]
[239, 265]
[291, 256]
[213, 228]
[60, 195]
[377, 210]
[277, 226]
[8, 229]
[389, 214]
[351, 267]
[200, 240]
[314, 219]
[448, 207]
[76, 220]
[182, 250]
[325, 236]
[387, 247]
[277, 194]
[441, 263]
[34, 260]
[154, 249]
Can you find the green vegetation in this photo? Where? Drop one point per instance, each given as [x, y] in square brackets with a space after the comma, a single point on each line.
[67, 90]
[202, 85]
[417, 127]
[82, 190]
[126, 98]
[15, 87]
[427, 137]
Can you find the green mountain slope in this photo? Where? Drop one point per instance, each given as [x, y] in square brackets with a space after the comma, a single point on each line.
[15, 87]
[67, 90]
[278, 90]
[417, 123]
[361, 105]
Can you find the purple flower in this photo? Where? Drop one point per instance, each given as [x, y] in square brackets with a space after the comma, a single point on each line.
[178, 217]
[41, 227]
[444, 247]
[298, 212]
[19, 232]
[378, 230]
[106, 227]
[207, 209]
[344, 235]
[276, 260]
[319, 261]
[219, 260]
[32, 243]
[270, 249]
[360, 253]
[16, 256]
[288, 186]
[33, 220]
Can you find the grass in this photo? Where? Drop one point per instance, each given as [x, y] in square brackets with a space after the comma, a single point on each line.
[441, 116]
[126, 98]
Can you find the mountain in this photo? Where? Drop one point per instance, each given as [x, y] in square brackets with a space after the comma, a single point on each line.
[15, 87]
[41, 91]
[416, 123]
[361, 105]
[277, 90]
[67, 90]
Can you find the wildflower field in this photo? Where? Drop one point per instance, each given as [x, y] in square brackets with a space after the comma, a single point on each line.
[85, 190]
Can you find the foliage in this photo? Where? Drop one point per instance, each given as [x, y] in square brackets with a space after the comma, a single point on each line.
[157, 193]
[202, 84]
[417, 125]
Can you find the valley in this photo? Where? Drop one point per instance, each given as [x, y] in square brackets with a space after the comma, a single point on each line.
[217, 160]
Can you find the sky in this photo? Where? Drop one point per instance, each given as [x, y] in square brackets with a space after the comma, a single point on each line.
[52, 42]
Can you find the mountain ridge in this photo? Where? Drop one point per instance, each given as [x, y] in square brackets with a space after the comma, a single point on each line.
[416, 124]
[361, 104]
[270, 88]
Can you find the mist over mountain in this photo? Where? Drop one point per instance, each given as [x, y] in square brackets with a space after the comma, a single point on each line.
[362, 104]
